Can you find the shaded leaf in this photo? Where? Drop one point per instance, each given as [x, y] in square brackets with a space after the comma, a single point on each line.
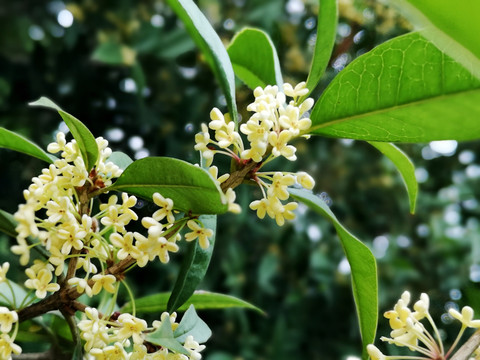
[404, 90]
[362, 264]
[201, 300]
[260, 70]
[326, 34]
[12, 295]
[211, 46]
[7, 224]
[14, 141]
[192, 325]
[194, 267]
[191, 188]
[163, 336]
[404, 165]
[452, 26]
[113, 53]
[85, 140]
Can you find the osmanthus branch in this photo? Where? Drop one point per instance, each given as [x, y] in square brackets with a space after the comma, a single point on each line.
[64, 299]
[464, 352]
[239, 176]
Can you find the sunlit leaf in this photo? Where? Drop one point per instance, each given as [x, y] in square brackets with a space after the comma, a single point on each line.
[191, 188]
[404, 165]
[260, 70]
[452, 26]
[120, 159]
[326, 34]
[404, 90]
[85, 140]
[201, 300]
[164, 337]
[211, 46]
[14, 141]
[192, 325]
[194, 267]
[362, 264]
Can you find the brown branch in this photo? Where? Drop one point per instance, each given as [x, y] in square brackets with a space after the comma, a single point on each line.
[239, 176]
[468, 347]
[63, 299]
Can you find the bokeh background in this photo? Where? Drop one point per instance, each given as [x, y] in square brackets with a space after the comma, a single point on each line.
[130, 72]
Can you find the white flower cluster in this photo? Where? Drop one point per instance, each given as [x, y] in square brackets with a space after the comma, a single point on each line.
[269, 130]
[80, 246]
[409, 331]
[8, 321]
[112, 338]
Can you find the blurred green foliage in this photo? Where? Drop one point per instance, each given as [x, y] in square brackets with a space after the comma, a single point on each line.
[130, 72]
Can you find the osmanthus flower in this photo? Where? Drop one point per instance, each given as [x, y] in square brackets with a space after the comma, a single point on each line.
[3, 271]
[409, 331]
[200, 233]
[7, 319]
[94, 330]
[269, 132]
[41, 282]
[131, 327]
[7, 347]
[103, 282]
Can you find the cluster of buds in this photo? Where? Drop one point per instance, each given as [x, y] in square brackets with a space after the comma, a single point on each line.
[81, 248]
[409, 331]
[269, 131]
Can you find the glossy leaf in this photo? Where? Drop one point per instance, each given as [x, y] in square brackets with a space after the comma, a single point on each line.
[404, 90]
[201, 300]
[7, 224]
[362, 264]
[164, 337]
[404, 165]
[326, 34]
[14, 141]
[120, 159]
[211, 46]
[191, 188]
[194, 267]
[192, 325]
[451, 26]
[263, 68]
[85, 140]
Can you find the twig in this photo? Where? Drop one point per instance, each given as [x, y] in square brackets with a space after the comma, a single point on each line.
[468, 347]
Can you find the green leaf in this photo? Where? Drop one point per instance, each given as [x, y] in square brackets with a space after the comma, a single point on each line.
[194, 267]
[14, 141]
[404, 90]
[263, 68]
[163, 336]
[192, 325]
[404, 165]
[452, 26]
[120, 159]
[191, 188]
[202, 300]
[212, 47]
[362, 264]
[7, 224]
[326, 34]
[85, 140]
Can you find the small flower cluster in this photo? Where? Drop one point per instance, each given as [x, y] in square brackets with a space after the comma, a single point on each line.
[408, 330]
[112, 338]
[8, 321]
[269, 130]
